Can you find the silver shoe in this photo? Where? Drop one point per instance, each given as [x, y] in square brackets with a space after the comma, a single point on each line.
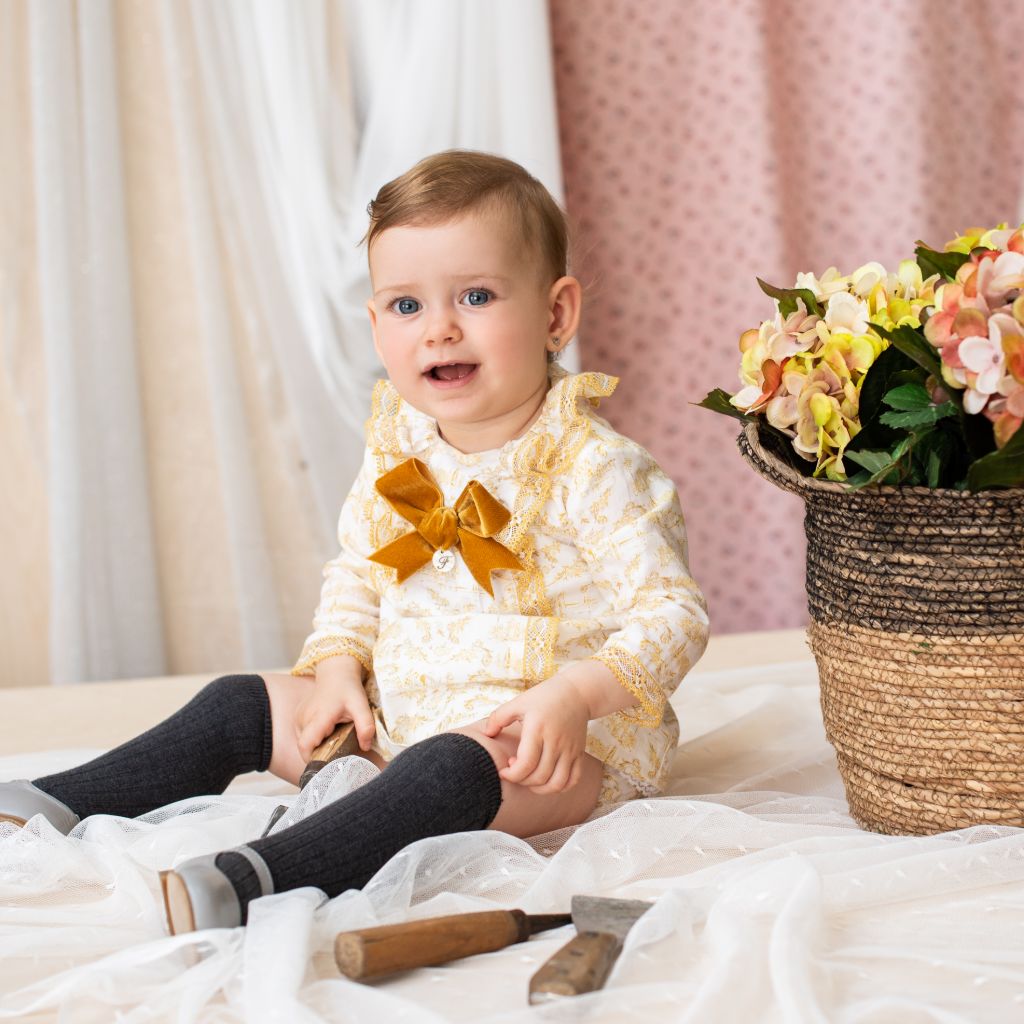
[197, 894]
[20, 801]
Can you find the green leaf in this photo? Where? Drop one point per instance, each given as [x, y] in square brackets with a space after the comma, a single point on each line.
[911, 342]
[1002, 468]
[787, 298]
[873, 462]
[908, 396]
[938, 455]
[718, 401]
[859, 479]
[919, 417]
[889, 370]
[883, 467]
[931, 261]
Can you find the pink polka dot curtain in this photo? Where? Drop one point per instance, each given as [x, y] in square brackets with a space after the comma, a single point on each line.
[706, 144]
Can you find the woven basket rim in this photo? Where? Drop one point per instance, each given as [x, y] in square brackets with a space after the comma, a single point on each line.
[813, 485]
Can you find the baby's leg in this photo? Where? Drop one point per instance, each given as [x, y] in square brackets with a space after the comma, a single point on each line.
[526, 813]
[445, 784]
[224, 731]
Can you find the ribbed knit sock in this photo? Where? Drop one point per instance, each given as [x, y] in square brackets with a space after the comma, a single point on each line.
[223, 731]
[445, 784]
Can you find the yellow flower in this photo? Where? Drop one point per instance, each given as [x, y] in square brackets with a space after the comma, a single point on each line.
[827, 417]
[900, 297]
[805, 372]
[821, 408]
[986, 238]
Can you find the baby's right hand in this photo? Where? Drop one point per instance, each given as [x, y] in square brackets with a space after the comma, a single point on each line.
[338, 696]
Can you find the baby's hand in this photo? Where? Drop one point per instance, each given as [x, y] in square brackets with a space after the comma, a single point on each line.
[554, 716]
[338, 696]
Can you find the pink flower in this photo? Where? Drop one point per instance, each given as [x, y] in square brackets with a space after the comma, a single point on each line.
[794, 334]
[984, 367]
[998, 277]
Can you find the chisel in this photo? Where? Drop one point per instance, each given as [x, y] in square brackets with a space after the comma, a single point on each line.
[374, 952]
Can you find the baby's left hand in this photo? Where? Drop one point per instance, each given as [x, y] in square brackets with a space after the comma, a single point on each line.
[554, 717]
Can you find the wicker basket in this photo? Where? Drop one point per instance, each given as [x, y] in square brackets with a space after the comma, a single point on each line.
[916, 599]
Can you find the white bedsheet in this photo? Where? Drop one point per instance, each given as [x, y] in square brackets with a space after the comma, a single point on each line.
[770, 903]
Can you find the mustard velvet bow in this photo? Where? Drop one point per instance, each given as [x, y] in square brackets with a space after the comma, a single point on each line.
[411, 491]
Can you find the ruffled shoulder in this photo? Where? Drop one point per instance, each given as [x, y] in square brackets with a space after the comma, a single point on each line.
[394, 426]
[565, 423]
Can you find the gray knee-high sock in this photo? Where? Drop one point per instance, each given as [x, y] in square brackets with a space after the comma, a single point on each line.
[223, 731]
[448, 783]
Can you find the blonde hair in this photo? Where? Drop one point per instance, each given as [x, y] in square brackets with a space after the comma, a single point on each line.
[450, 184]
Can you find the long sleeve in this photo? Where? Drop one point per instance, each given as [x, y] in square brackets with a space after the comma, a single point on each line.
[347, 618]
[629, 528]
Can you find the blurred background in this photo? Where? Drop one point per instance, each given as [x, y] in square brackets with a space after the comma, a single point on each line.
[185, 362]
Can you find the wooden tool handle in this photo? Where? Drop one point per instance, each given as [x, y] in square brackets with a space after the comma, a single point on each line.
[581, 965]
[340, 743]
[374, 952]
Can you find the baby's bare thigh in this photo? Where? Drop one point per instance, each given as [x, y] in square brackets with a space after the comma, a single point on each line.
[286, 693]
[526, 813]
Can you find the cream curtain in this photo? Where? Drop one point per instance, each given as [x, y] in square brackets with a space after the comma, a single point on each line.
[185, 358]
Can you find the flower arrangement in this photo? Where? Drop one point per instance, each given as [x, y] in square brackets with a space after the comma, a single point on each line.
[911, 378]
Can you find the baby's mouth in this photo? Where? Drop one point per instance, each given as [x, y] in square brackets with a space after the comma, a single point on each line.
[451, 372]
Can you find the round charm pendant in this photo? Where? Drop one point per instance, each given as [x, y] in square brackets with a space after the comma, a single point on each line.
[444, 560]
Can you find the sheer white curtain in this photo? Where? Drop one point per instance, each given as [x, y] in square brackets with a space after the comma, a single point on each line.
[282, 120]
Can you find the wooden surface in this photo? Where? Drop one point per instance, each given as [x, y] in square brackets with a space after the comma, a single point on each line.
[36, 718]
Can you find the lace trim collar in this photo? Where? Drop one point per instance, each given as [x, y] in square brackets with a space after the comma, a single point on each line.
[397, 429]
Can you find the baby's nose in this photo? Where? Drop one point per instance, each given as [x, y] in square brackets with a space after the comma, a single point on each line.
[443, 329]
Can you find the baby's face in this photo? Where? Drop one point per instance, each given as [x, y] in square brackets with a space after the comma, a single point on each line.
[462, 323]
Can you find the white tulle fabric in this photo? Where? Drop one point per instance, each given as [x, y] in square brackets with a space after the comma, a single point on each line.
[769, 903]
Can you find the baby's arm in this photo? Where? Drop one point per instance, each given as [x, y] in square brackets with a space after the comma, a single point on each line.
[629, 531]
[339, 650]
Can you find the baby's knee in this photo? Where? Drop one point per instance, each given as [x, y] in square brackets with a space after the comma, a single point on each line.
[227, 688]
[500, 747]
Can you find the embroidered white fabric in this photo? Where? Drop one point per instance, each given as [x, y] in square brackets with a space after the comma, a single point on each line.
[770, 904]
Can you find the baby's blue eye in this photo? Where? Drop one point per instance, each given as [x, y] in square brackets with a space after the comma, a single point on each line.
[478, 297]
[406, 306]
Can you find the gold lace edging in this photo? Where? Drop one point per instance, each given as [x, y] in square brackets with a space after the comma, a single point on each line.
[536, 464]
[316, 651]
[539, 649]
[380, 427]
[639, 682]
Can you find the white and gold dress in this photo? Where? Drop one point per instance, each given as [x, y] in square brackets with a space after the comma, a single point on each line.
[598, 530]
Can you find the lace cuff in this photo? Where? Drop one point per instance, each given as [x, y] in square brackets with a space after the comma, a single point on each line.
[635, 678]
[322, 648]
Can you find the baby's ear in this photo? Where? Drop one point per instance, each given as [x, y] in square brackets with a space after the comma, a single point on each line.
[565, 300]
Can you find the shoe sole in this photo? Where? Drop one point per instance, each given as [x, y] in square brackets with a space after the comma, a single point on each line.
[177, 904]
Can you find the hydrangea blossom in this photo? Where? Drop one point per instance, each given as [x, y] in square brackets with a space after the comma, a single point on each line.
[804, 371]
[978, 327]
